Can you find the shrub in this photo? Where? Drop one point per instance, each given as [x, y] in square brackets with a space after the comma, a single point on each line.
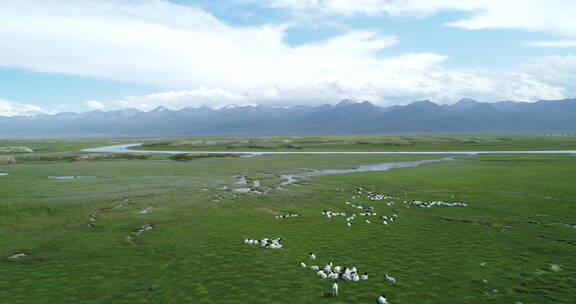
[193, 156]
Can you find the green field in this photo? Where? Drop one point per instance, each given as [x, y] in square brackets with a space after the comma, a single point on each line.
[514, 243]
[428, 142]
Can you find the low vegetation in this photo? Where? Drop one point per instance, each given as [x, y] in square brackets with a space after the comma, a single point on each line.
[159, 231]
[194, 156]
[72, 156]
[429, 142]
[7, 160]
[15, 150]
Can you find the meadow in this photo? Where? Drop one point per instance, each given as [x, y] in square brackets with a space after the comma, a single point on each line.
[409, 142]
[515, 242]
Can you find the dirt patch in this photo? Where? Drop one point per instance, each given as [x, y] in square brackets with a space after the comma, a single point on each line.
[7, 160]
[15, 150]
[71, 177]
[268, 210]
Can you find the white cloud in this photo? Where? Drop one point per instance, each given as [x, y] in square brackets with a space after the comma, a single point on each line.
[95, 105]
[417, 8]
[203, 61]
[556, 70]
[551, 16]
[438, 85]
[10, 108]
[555, 43]
[215, 97]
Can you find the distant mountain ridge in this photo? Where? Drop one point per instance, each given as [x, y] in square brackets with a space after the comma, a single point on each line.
[346, 117]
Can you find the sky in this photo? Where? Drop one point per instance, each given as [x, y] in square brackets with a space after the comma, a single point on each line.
[81, 55]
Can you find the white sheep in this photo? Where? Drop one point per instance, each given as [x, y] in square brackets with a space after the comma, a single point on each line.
[17, 255]
[382, 299]
[333, 276]
[335, 289]
[390, 279]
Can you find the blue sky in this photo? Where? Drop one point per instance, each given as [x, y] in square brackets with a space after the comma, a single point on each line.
[109, 54]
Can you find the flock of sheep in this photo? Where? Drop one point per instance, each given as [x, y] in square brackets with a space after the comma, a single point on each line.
[337, 272]
[329, 271]
[287, 215]
[265, 243]
[435, 203]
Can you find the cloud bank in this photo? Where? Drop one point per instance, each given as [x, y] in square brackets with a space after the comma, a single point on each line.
[551, 16]
[10, 108]
[199, 60]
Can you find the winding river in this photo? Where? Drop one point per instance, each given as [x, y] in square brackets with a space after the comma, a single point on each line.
[126, 149]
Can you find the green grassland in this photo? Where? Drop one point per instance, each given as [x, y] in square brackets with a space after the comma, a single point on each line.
[428, 142]
[510, 245]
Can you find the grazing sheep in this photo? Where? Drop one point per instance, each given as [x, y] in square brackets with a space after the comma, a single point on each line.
[364, 276]
[382, 299]
[314, 268]
[333, 276]
[435, 203]
[266, 243]
[302, 265]
[330, 214]
[312, 256]
[321, 274]
[145, 211]
[275, 245]
[390, 279]
[348, 224]
[335, 289]
[17, 255]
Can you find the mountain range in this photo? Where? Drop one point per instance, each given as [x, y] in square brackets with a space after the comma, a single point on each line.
[346, 117]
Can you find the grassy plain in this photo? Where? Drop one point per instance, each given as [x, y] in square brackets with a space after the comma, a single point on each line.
[514, 242]
[427, 142]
